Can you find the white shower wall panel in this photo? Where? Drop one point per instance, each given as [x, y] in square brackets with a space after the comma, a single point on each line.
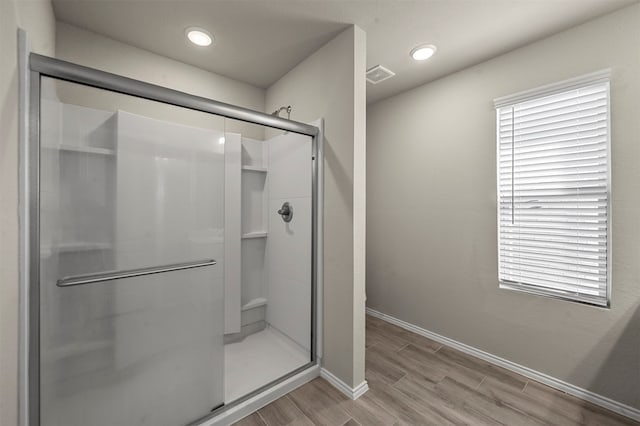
[84, 126]
[289, 244]
[170, 192]
[254, 152]
[290, 166]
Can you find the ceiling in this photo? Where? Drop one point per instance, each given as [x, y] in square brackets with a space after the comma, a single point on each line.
[258, 41]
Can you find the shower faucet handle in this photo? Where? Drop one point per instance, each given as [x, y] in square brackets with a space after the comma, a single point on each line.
[286, 211]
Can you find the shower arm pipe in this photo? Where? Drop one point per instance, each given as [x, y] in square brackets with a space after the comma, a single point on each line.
[64, 70]
[283, 108]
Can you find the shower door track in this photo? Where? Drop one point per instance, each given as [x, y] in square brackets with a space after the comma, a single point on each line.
[42, 66]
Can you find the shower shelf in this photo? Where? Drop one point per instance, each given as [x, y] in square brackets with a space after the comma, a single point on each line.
[74, 247]
[84, 149]
[67, 351]
[254, 303]
[254, 169]
[251, 235]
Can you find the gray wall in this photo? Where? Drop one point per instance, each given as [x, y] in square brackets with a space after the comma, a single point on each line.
[37, 18]
[431, 211]
[93, 50]
[330, 84]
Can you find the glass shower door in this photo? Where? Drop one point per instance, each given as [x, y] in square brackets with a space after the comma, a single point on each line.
[131, 260]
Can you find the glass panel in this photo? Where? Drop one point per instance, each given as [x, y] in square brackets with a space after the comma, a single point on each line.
[128, 183]
[273, 285]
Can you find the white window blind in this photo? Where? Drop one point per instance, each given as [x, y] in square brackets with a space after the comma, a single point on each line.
[553, 188]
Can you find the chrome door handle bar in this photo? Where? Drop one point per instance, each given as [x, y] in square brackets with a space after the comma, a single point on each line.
[130, 273]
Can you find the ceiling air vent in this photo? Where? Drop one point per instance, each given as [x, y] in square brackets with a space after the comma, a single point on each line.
[378, 74]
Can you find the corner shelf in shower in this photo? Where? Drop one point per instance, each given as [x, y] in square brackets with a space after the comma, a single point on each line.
[74, 247]
[254, 303]
[84, 246]
[252, 235]
[255, 169]
[83, 149]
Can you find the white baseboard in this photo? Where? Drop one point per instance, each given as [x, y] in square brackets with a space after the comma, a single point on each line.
[587, 395]
[353, 393]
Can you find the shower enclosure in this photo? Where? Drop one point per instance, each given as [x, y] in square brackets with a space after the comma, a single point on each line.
[173, 246]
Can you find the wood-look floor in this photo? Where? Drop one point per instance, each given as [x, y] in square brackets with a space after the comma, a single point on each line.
[416, 381]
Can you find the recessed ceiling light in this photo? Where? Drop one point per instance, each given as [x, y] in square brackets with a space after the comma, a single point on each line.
[199, 36]
[423, 52]
[221, 141]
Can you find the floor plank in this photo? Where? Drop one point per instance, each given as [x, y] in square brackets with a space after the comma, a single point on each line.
[366, 410]
[425, 359]
[482, 367]
[473, 402]
[382, 362]
[283, 412]
[579, 411]
[378, 336]
[505, 394]
[415, 381]
[426, 396]
[320, 402]
[427, 374]
[372, 321]
[252, 420]
[409, 337]
[399, 406]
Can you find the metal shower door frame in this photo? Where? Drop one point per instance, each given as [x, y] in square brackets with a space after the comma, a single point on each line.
[42, 66]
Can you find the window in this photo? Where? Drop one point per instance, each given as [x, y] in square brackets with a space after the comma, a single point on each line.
[553, 190]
